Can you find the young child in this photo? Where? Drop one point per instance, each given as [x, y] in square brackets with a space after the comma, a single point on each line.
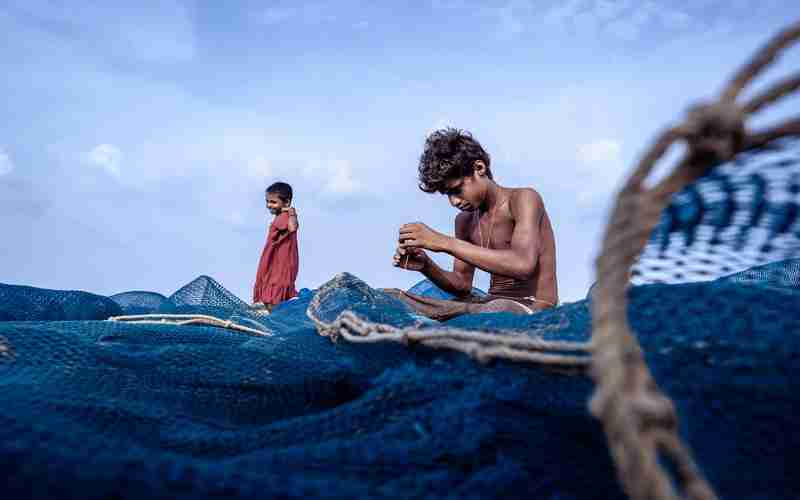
[277, 269]
[501, 230]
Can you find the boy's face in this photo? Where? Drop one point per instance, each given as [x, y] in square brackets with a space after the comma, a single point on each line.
[275, 204]
[467, 193]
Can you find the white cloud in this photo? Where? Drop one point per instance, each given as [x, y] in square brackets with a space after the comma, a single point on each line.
[599, 151]
[6, 165]
[334, 178]
[341, 180]
[107, 157]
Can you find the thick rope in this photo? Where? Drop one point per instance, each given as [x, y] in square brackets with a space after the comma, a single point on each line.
[640, 421]
[482, 346]
[188, 319]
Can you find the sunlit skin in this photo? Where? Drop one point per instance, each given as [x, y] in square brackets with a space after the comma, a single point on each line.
[276, 206]
[522, 244]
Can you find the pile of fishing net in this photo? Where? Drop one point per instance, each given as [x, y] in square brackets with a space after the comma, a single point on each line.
[99, 409]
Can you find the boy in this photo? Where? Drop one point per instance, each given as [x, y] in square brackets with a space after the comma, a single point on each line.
[277, 269]
[504, 231]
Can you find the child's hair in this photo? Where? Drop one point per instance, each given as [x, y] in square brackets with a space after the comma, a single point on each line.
[283, 190]
[449, 153]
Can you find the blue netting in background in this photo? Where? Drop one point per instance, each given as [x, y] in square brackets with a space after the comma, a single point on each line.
[427, 288]
[739, 215]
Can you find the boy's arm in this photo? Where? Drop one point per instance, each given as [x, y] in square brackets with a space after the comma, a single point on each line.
[519, 261]
[459, 280]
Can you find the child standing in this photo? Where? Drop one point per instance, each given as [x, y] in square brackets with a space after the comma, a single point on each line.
[277, 269]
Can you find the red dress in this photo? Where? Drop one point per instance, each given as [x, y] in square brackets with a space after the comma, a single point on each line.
[277, 269]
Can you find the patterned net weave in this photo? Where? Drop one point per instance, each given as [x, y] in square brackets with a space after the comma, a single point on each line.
[742, 214]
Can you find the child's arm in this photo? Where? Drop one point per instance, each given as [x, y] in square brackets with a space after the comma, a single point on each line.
[458, 281]
[293, 224]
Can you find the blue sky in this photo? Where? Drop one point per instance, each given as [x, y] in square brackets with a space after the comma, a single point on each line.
[138, 138]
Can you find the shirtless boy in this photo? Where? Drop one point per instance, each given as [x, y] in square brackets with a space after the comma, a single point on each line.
[504, 231]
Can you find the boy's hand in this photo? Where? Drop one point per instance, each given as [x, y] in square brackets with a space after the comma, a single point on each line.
[291, 211]
[418, 235]
[412, 259]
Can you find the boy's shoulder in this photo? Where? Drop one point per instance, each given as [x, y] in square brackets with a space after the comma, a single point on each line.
[525, 192]
[525, 200]
[526, 196]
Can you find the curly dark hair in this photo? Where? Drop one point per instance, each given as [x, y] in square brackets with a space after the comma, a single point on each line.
[282, 190]
[449, 153]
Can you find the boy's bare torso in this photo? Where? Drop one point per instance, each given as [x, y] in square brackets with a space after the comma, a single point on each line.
[495, 231]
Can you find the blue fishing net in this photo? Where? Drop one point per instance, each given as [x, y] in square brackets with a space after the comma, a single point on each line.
[427, 288]
[100, 409]
[26, 303]
[739, 215]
